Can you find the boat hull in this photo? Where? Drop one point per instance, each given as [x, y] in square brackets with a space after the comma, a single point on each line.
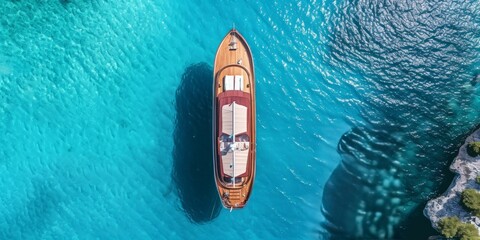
[234, 128]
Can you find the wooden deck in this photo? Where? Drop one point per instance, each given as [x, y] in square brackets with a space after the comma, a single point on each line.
[235, 62]
[241, 57]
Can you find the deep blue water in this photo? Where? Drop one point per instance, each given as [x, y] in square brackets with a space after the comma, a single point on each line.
[105, 116]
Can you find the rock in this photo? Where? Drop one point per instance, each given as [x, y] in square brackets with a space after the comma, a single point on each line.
[475, 79]
[449, 204]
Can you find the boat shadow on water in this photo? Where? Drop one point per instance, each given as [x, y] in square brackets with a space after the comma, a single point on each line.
[193, 167]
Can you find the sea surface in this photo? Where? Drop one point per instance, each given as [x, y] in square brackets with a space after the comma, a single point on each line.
[105, 116]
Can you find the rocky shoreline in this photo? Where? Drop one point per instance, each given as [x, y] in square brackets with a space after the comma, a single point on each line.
[449, 204]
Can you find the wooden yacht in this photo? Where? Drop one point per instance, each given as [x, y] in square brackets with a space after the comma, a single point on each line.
[234, 120]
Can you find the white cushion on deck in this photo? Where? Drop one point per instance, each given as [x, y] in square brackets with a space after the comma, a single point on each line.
[240, 119]
[241, 160]
[238, 82]
[228, 83]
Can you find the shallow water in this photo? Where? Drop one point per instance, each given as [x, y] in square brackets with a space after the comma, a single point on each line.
[105, 106]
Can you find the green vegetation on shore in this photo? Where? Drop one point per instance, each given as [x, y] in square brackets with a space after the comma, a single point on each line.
[452, 227]
[471, 200]
[473, 149]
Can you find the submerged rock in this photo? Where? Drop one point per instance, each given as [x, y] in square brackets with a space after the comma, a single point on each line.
[475, 79]
[467, 168]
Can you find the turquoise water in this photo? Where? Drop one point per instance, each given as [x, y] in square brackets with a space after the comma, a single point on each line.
[105, 116]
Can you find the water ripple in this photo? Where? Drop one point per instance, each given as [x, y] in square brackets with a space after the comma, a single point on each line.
[413, 59]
